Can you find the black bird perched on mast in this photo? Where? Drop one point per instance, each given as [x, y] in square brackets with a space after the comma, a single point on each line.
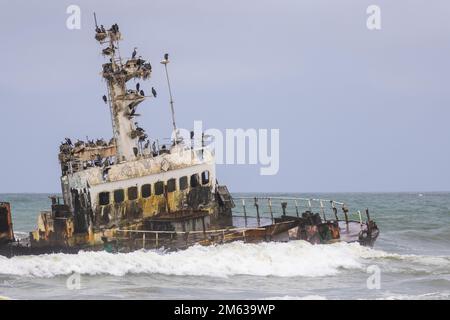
[105, 99]
[153, 92]
[68, 141]
[133, 55]
[138, 85]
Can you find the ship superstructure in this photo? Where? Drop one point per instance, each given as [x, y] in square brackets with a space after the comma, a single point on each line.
[129, 181]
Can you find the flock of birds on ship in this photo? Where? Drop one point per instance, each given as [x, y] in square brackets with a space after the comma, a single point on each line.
[68, 147]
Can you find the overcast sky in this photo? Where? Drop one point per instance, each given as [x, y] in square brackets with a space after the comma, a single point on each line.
[357, 110]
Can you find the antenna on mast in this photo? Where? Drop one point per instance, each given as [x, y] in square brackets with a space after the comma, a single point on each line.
[95, 20]
[165, 61]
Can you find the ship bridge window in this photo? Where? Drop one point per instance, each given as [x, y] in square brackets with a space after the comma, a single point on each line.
[146, 190]
[171, 185]
[132, 193]
[119, 196]
[195, 181]
[205, 177]
[103, 198]
[184, 183]
[159, 188]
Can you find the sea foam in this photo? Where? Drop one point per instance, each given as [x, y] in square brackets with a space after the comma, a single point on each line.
[296, 258]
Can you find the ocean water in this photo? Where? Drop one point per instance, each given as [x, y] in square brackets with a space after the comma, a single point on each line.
[411, 257]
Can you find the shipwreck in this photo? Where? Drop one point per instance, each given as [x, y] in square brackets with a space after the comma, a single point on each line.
[132, 193]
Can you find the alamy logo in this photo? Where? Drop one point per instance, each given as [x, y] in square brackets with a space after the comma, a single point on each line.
[239, 146]
[374, 281]
[374, 19]
[74, 282]
[73, 22]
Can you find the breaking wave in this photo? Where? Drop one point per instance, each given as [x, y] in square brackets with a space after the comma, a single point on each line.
[296, 258]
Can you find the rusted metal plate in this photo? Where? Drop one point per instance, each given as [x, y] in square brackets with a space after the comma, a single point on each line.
[6, 227]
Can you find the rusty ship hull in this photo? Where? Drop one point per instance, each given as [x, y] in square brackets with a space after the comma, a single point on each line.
[278, 224]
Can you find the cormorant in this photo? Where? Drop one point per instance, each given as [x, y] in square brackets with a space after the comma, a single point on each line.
[105, 99]
[138, 85]
[148, 66]
[153, 92]
[133, 55]
[142, 93]
[68, 141]
[143, 138]
[115, 28]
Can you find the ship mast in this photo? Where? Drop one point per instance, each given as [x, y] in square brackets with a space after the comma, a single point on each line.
[123, 102]
[165, 61]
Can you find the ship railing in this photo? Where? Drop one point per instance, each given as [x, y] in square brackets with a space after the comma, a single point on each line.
[76, 165]
[257, 211]
[195, 144]
[160, 238]
[198, 154]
